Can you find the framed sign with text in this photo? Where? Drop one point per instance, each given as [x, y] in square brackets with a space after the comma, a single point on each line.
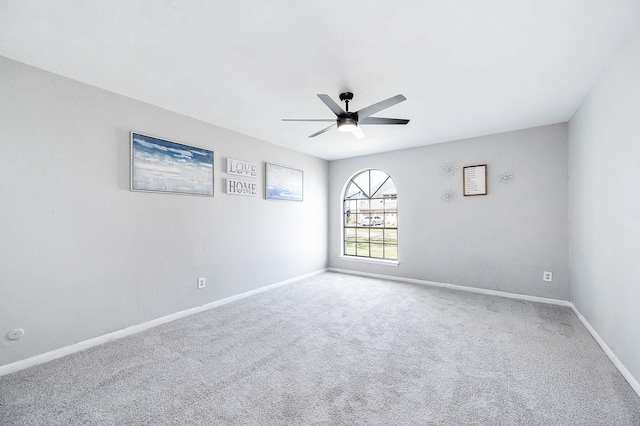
[474, 180]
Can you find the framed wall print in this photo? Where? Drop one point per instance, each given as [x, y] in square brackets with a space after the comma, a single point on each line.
[474, 180]
[158, 165]
[283, 183]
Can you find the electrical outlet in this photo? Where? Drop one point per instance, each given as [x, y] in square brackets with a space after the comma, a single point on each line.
[547, 276]
[201, 282]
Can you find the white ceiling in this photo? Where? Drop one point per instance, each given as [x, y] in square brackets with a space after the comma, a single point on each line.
[468, 68]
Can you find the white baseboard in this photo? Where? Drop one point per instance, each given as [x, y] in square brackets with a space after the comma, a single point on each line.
[458, 287]
[77, 347]
[614, 359]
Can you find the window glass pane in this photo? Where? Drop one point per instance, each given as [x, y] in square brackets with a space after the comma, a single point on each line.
[362, 180]
[350, 249]
[353, 192]
[377, 251]
[391, 252]
[377, 235]
[350, 212]
[387, 190]
[350, 234]
[391, 204]
[378, 177]
[391, 220]
[357, 219]
[391, 236]
[376, 206]
[363, 212]
[362, 249]
[362, 235]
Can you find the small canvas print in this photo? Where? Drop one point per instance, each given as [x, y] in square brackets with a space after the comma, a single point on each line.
[162, 166]
[283, 183]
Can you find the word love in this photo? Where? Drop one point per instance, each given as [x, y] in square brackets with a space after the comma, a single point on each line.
[242, 168]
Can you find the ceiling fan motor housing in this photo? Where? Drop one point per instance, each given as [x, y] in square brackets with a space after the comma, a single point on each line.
[346, 96]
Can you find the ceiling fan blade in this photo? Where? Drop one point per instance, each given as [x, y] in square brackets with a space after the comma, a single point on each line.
[357, 132]
[309, 119]
[377, 107]
[326, 129]
[380, 120]
[333, 106]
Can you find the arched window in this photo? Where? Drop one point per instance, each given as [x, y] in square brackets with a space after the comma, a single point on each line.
[370, 216]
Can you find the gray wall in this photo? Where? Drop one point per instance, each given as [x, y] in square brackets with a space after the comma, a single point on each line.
[82, 256]
[503, 241]
[604, 172]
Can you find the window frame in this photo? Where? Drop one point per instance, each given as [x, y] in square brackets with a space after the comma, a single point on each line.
[344, 227]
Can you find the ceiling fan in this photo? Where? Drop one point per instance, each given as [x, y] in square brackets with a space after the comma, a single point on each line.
[348, 121]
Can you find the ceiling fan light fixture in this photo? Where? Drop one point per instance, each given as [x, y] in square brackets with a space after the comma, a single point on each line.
[347, 125]
[347, 121]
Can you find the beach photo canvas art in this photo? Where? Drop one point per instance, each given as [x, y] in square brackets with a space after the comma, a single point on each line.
[283, 183]
[158, 165]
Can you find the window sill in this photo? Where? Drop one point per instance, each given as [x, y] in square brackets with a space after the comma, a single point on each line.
[370, 260]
